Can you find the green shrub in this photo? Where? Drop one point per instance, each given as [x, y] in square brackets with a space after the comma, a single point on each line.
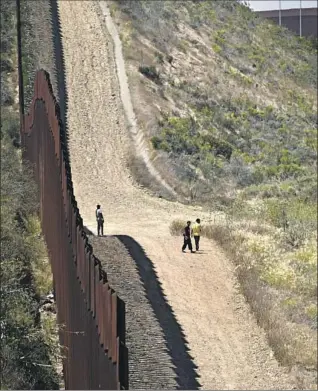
[159, 57]
[216, 48]
[220, 37]
[150, 72]
[10, 125]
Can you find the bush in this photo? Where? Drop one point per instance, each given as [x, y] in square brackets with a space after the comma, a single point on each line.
[176, 227]
[150, 72]
[297, 218]
[10, 125]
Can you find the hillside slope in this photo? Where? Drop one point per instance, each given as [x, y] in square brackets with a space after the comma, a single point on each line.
[220, 93]
[214, 322]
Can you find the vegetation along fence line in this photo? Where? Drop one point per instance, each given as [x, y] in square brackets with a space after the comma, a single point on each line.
[90, 314]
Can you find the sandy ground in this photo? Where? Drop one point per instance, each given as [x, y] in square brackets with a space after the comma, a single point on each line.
[225, 342]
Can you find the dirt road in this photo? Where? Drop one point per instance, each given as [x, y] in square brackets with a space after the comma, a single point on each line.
[225, 342]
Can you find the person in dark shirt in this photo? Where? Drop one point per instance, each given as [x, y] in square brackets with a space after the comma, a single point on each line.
[187, 238]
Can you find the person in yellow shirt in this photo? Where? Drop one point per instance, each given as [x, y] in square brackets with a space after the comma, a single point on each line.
[196, 233]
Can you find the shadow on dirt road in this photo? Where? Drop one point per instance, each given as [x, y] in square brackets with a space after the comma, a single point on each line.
[185, 369]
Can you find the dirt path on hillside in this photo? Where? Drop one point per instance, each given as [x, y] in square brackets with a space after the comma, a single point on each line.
[227, 346]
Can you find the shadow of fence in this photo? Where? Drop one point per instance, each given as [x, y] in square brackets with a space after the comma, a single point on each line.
[185, 369]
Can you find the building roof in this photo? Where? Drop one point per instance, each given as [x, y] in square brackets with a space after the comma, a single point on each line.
[289, 12]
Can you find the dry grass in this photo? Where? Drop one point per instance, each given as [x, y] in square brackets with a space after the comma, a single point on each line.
[51, 338]
[274, 288]
[41, 268]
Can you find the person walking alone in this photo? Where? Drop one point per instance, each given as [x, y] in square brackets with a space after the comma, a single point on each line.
[187, 238]
[196, 232]
[100, 220]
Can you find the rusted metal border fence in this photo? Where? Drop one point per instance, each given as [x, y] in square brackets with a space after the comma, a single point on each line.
[90, 313]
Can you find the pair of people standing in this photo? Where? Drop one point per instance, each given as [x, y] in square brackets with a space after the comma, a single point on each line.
[195, 231]
[100, 220]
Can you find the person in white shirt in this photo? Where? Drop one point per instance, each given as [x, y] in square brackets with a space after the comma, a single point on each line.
[100, 220]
